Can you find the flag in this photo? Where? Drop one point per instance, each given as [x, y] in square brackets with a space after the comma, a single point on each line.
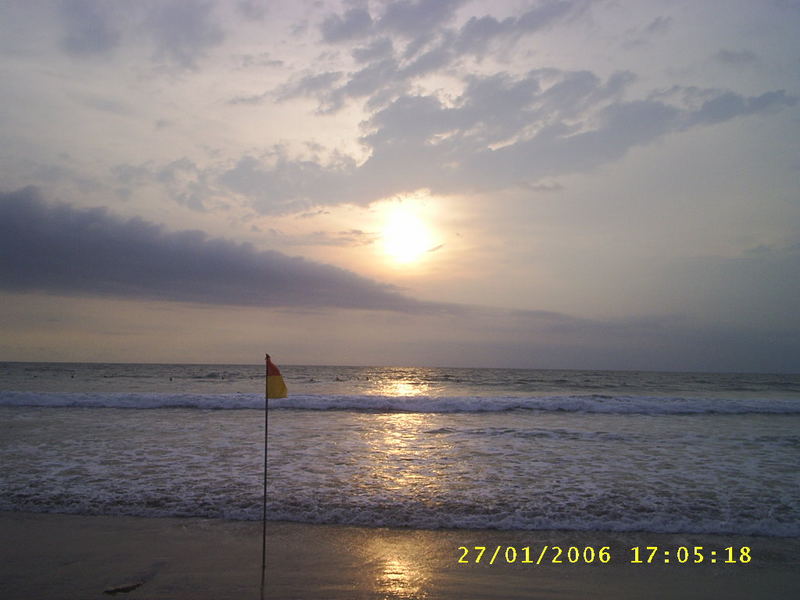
[276, 388]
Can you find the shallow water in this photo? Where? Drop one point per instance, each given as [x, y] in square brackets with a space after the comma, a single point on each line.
[421, 448]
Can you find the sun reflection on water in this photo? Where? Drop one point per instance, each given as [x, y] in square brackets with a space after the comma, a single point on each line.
[401, 579]
[403, 388]
[405, 471]
[405, 467]
[400, 568]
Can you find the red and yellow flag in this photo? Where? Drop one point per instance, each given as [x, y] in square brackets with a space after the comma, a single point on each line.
[276, 387]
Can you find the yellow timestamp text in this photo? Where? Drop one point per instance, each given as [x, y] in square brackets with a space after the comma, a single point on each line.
[690, 554]
[637, 555]
[527, 555]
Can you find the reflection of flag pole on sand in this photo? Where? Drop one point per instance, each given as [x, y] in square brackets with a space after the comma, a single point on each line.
[274, 388]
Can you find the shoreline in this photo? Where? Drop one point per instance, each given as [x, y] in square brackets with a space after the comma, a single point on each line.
[56, 556]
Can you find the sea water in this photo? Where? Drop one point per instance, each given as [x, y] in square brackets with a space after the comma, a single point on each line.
[407, 447]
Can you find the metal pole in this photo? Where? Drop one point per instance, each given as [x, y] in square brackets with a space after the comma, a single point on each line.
[264, 503]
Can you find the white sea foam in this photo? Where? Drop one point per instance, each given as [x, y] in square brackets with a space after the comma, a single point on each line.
[524, 519]
[597, 404]
[523, 470]
[462, 449]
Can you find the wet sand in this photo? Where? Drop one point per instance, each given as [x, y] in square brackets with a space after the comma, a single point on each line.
[47, 556]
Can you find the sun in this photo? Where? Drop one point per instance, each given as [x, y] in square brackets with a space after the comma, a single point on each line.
[406, 237]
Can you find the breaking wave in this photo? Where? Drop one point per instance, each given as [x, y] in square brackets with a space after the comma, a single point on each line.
[600, 404]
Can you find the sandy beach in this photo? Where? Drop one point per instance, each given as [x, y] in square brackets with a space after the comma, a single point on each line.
[47, 556]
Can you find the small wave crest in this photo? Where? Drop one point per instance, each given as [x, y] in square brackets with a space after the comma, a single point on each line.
[140, 401]
[601, 404]
[379, 512]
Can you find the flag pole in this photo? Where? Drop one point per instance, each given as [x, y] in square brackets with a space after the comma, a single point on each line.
[264, 500]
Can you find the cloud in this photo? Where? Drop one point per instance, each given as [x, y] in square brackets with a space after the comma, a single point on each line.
[475, 36]
[89, 27]
[372, 80]
[503, 131]
[180, 31]
[281, 185]
[424, 44]
[413, 18]
[759, 286]
[70, 252]
[659, 25]
[728, 105]
[403, 17]
[377, 49]
[65, 250]
[507, 130]
[312, 85]
[345, 238]
[354, 23]
[183, 30]
[252, 9]
[642, 36]
[736, 58]
[541, 124]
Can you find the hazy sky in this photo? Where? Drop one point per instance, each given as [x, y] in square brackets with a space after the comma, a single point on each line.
[558, 183]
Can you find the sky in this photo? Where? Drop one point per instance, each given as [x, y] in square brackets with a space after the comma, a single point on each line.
[577, 184]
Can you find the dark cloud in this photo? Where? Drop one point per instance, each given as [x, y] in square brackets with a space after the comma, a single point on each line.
[252, 9]
[65, 250]
[263, 59]
[759, 286]
[371, 78]
[252, 99]
[728, 105]
[183, 30]
[89, 27]
[313, 85]
[659, 25]
[413, 18]
[547, 13]
[477, 33]
[506, 130]
[642, 36]
[403, 17]
[503, 131]
[180, 31]
[354, 23]
[424, 44]
[736, 58]
[374, 80]
[281, 185]
[343, 239]
[58, 249]
[377, 49]
[427, 62]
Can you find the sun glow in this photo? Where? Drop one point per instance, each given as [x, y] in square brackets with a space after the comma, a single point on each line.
[406, 237]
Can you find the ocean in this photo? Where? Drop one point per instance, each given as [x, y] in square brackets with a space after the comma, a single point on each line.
[422, 448]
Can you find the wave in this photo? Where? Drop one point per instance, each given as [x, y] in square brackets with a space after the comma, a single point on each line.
[417, 517]
[601, 404]
[377, 512]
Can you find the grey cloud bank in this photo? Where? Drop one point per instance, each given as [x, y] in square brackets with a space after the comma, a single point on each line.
[69, 252]
[60, 249]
